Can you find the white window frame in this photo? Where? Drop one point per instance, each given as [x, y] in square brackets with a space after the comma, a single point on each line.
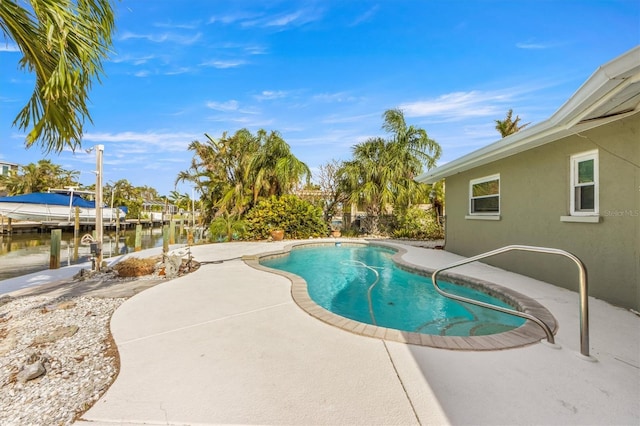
[575, 160]
[471, 197]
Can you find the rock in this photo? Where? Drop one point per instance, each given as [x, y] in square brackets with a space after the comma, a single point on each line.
[5, 299]
[31, 371]
[57, 334]
[172, 266]
[66, 305]
[8, 342]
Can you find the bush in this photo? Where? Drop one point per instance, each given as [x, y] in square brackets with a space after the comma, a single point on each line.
[226, 228]
[298, 218]
[418, 224]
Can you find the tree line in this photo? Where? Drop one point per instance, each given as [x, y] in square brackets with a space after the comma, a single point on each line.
[64, 43]
[241, 179]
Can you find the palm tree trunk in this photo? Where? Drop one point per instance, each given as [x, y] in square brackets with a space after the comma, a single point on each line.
[372, 221]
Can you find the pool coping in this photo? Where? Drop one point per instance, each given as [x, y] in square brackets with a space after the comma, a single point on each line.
[527, 334]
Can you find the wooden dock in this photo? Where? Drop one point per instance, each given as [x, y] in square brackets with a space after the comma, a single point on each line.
[22, 227]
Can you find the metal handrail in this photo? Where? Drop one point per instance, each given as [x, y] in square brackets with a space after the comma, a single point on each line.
[584, 303]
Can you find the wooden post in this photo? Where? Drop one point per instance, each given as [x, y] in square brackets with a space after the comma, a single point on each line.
[98, 200]
[54, 258]
[172, 231]
[76, 234]
[165, 239]
[9, 227]
[138, 246]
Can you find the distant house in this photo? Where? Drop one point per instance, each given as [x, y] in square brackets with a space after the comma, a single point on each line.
[571, 182]
[4, 170]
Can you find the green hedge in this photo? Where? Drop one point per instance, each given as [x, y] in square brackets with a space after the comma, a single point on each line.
[417, 224]
[298, 218]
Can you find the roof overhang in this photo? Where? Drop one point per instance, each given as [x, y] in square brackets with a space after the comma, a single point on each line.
[610, 94]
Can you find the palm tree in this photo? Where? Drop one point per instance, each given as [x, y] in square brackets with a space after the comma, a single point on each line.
[227, 225]
[128, 195]
[369, 180]
[412, 142]
[221, 171]
[182, 201]
[276, 171]
[38, 177]
[63, 43]
[234, 172]
[509, 126]
[382, 172]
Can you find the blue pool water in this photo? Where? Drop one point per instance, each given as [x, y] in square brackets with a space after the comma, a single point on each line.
[338, 279]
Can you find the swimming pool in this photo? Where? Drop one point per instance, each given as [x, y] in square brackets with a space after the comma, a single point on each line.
[367, 290]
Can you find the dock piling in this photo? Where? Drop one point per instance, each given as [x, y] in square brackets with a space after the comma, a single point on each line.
[54, 258]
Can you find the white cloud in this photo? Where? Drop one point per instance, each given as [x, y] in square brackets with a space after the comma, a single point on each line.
[334, 97]
[255, 50]
[531, 46]
[283, 20]
[272, 94]
[459, 105]
[186, 26]
[163, 37]
[220, 64]
[365, 16]
[181, 70]
[230, 19]
[136, 141]
[9, 47]
[338, 119]
[288, 19]
[135, 60]
[231, 105]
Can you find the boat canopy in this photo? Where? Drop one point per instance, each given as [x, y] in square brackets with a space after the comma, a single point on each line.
[49, 199]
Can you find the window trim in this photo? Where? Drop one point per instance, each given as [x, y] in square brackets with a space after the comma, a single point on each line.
[573, 183]
[471, 198]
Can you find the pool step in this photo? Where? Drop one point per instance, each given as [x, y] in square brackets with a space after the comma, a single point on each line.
[461, 326]
[476, 328]
[437, 326]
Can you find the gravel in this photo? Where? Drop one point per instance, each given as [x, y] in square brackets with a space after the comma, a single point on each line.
[70, 337]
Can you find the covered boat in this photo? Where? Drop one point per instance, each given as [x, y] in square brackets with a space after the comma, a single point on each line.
[58, 206]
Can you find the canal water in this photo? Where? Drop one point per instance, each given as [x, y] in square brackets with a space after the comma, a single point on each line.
[22, 254]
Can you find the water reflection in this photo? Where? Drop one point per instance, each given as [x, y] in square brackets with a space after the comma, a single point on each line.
[21, 254]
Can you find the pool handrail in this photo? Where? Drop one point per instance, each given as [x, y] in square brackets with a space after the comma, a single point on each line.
[584, 303]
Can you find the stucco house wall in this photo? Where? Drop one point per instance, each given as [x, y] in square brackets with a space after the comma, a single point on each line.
[535, 194]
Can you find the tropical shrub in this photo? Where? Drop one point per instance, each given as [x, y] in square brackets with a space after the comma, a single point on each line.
[298, 218]
[226, 228]
[416, 223]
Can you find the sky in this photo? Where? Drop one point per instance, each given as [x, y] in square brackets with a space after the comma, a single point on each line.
[321, 73]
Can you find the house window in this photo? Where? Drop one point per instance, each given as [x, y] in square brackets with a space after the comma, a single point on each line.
[584, 184]
[5, 170]
[484, 196]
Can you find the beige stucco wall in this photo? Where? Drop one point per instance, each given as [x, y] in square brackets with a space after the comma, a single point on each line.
[535, 194]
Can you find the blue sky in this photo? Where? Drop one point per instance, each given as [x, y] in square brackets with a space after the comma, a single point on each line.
[322, 73]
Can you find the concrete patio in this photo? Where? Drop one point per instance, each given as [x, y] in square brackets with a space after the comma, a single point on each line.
[227, 345]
